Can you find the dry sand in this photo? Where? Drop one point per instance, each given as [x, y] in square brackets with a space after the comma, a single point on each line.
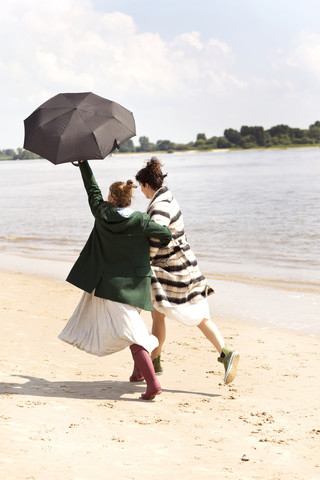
[69, 415]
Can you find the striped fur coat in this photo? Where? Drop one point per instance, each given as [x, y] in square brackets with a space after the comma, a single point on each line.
[176, 278]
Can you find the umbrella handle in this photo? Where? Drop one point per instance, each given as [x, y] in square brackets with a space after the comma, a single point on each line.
[75, 164]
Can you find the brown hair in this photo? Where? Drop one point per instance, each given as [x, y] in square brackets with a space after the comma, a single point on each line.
[151, 174]
[122, 193]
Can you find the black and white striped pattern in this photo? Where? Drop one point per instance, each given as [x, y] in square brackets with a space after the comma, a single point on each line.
[176, 278]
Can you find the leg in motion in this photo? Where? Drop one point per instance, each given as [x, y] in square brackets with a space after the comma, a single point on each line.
[211, 332]
[136, 375]
[159, 331]
[229, 358]
[143, 360]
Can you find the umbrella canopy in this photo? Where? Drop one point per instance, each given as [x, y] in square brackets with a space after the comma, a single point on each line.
[77, 126]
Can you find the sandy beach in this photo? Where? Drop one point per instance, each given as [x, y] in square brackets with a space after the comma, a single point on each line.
[66, 414]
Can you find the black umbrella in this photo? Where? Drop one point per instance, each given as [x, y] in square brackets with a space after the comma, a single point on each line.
[77, 126]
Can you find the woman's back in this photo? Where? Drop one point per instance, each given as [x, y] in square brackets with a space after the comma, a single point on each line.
[115, 260]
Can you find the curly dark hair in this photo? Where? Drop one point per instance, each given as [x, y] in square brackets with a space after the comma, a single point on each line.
[122, 193]
[151, 174]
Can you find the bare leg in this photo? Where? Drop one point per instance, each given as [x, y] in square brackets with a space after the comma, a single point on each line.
[210, 330]
[159, 331]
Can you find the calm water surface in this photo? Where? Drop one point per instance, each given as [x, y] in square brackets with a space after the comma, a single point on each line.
[251, 217]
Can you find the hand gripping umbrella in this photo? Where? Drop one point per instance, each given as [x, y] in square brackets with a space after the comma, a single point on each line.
[70, 127]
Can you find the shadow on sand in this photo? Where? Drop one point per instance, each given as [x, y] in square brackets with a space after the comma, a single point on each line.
[101, 390]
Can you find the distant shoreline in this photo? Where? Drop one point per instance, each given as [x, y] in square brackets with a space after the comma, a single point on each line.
[164, 152]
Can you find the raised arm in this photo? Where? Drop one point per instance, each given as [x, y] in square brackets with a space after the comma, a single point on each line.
[94, 194]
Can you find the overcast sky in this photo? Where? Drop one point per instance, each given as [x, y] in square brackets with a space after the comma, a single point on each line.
[181, 66]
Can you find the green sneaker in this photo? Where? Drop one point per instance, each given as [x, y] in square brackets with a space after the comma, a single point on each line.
[230, 361]
[157, 365]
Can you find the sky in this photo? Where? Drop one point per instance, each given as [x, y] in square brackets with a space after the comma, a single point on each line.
[182, 67]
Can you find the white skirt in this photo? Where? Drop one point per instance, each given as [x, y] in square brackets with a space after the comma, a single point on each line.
[189, 314]
[102, 327]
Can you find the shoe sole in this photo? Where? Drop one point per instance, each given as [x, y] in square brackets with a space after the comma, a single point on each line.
[232, 368]
[152, 396]
[136, 380]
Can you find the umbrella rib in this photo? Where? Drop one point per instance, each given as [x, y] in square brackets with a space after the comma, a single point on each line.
[119, 121]
[89, 129]
[46, 123]
[95, 139]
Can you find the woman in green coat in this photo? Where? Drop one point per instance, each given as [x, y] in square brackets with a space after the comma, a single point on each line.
[114, 271]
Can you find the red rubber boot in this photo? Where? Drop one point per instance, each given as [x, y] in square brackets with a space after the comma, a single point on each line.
[143, 360]
[136, 374]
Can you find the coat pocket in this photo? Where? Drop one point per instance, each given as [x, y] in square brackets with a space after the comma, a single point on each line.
[143, 271]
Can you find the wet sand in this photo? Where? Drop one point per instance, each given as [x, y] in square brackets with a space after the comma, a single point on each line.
[66, 414]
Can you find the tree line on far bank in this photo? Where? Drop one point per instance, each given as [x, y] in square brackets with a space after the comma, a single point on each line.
[281, 136]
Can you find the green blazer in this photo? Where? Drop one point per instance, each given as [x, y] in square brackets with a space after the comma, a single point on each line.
[115, 261]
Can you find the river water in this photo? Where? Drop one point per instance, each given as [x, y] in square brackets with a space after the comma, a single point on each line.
[251, 217]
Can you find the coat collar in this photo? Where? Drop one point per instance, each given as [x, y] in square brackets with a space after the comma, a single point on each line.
[161, 195]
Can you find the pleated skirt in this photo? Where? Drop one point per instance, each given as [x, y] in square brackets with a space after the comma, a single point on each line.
[102, 327]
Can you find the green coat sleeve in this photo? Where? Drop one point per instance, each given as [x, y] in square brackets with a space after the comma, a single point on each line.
[154, 230]
[94, 193]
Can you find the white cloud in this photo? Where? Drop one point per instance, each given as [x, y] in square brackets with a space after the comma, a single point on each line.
[67, 46]
[176, 88]
[306, 55]
[68, 43]
[300, 64]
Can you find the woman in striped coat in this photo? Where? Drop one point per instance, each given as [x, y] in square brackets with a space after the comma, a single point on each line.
[178, 289]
